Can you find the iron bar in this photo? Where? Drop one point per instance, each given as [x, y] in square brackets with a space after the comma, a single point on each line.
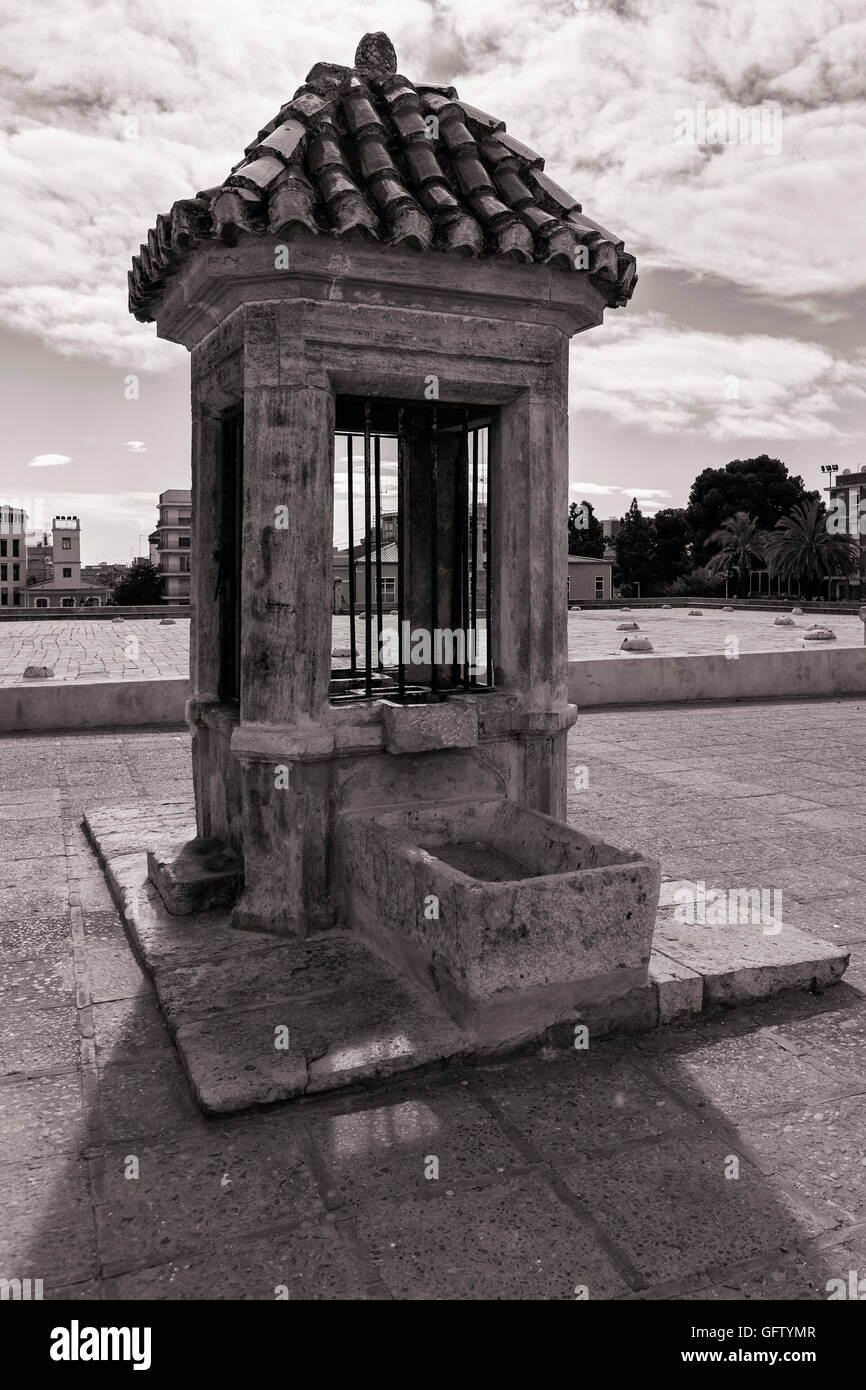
[368, 572]
[350, 470]
[488, 507]
[377, 474]
[473, 542]
[401, 550]
[434, 548]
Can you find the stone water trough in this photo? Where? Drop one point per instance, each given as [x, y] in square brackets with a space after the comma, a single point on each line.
[515, 920]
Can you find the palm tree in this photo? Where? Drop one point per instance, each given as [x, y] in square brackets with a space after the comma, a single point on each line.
[742, 543]
[802, 548]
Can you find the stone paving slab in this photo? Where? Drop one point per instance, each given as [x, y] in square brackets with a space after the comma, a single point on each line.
[778, 1083]
[256, 1019]
[737, 961]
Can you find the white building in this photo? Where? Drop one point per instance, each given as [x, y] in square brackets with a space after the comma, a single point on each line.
[173, 542]
[13, 556]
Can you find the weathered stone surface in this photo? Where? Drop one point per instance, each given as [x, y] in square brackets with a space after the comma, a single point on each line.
[195, 876]
[680, 989]
[420, 728]
[742, 962]
[350, 1033]
[489, 1257]
[514, 918]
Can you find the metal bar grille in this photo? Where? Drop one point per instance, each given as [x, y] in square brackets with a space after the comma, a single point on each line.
[401, 554]
[436, 455]
[377, 475]
[350, 473]
[488, 562]
[434, 546]
[368, 574]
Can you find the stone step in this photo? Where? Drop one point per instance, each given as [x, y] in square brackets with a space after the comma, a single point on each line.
[736, 961]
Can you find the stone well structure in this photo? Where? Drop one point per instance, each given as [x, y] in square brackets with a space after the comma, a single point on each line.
[384, 252]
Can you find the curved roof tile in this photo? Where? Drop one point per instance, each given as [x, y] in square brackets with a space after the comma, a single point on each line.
[363, 152]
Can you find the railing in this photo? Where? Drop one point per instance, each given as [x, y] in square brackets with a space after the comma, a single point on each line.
[375, 441]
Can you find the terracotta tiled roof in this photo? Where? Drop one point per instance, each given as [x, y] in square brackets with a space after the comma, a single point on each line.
[362, 152]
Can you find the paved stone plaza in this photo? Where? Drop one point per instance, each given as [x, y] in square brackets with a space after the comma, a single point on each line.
[102, 650]
[602, 1169]
[106, 649]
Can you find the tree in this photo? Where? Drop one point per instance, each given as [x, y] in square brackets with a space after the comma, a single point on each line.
[741, 548]
[585, 536]
[802, 548]
[140, 585]
[671, 544]
[761, 487]
[635, 547]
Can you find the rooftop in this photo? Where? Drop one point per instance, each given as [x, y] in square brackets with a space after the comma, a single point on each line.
[363, 153]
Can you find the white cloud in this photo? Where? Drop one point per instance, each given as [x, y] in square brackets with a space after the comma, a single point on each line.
[645, 493]
[160, 101]
[642, 369]
[592, 489]
[48, 461]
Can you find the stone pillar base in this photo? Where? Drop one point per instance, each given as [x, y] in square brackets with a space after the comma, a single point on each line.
[196, 876]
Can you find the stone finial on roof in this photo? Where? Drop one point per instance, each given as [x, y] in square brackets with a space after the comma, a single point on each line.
[375, 55]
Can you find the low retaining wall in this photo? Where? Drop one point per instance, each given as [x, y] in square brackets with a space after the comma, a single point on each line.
[622, 680]
[645, 680]
[92, 704]
[129, 614]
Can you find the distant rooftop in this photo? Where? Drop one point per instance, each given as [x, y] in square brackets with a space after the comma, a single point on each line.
[363, 153]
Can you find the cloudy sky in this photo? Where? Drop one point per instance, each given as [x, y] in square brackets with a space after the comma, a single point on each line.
[723, 141]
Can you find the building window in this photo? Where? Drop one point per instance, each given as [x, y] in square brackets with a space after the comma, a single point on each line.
[66, 543]
[67, 603]
[599, 586]
[15, 549]
[184, 520]
[3, 570]
[4, 597]
[2, 548]
[42, 603]
[389, 589]
[16, 572]
[183, 542]
[67, 571]
[184, 564]
[16, 599]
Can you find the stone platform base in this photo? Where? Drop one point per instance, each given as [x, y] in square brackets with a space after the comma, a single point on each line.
[257, 1018]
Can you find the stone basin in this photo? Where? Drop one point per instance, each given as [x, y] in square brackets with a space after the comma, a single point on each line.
[515, 920]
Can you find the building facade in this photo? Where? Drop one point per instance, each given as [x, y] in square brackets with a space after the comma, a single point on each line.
[589, 578]
[173, 544]
[66, 588]
[849, 490]
[13, 556]
[39, 560]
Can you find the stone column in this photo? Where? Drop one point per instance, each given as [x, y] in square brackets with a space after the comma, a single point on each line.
[529, 540]
[285, 644]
